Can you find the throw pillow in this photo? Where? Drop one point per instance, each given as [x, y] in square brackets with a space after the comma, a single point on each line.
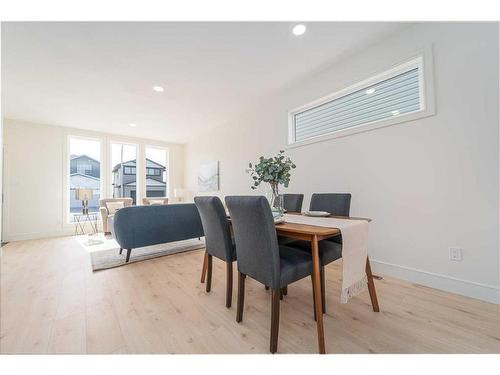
[153, 202]
[114, 206]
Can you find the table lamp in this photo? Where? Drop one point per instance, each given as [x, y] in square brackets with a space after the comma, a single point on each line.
[84, 195]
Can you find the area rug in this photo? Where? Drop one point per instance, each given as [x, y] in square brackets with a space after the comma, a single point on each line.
[105, 252]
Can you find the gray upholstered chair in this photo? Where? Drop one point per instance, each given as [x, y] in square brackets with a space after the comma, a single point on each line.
[337, 204]
[293, 202]
[218, 241]
[260, 257]
[330, 249]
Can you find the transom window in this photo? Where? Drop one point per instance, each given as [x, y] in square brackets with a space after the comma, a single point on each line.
[385, 99]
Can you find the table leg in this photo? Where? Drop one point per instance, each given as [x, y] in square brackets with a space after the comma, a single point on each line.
[79, 225]
[95, 225]
[371, 286]
[317, 294]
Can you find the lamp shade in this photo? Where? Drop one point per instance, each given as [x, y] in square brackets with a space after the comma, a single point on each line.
[83, 194]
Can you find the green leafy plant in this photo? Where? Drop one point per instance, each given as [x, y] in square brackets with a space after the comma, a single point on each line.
[275, 171]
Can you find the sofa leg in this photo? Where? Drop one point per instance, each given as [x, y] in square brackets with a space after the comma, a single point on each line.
[121, 251]
[128, 255]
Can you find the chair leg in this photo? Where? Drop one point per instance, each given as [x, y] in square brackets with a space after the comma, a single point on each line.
[275, 319]
[314, 304]
[229, 284]
[209, 273]
[121, 251]
[204, 268]
[323, 294]
[371, 287]
[241, 297]
[128, 255]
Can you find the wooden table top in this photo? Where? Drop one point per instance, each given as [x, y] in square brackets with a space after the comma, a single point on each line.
[289, 228]
[284, 228]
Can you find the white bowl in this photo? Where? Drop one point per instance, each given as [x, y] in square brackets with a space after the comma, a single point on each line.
[316, 213]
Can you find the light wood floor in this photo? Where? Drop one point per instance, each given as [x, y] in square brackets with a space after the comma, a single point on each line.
[51, 302]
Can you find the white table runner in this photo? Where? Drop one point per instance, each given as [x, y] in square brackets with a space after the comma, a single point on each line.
[354, 250]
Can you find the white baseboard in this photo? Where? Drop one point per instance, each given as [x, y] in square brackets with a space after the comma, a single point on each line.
[484, 292]
[37, 235]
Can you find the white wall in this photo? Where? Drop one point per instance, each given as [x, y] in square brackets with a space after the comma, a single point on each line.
[428, 184]
[35, 176]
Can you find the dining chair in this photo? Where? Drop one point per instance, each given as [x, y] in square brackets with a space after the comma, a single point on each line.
[338, 204]
[261, 257]
[330, 249]
[293, 202]
[218, 241]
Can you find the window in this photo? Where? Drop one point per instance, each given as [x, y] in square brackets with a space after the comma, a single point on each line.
[386, 99]
[156, 172]
[153, 171]
[124, 171]
[129, 170]
[84, 173]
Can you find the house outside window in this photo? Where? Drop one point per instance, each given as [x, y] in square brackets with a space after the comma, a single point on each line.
[84, 172]
[124, 171]
[156, 172]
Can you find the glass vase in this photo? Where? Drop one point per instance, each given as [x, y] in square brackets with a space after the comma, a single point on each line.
[275, 201]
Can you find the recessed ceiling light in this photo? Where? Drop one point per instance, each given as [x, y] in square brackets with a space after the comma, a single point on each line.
[158, 88]
[299, 29]
[132, 125]
[395, 113]
[369, 91]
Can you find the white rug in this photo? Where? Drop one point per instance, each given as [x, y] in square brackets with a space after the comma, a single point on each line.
[105, 252]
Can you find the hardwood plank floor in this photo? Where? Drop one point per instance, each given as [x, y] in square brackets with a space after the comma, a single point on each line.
[51, 302]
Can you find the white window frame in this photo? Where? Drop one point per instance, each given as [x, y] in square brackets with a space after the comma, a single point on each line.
[168, 171]
[422, 61]
[67, 174]
[138, 192]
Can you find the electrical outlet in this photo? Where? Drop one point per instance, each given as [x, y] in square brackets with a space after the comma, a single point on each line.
[455, 254]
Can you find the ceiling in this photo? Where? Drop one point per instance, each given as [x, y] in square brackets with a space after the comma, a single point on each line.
[99, 76]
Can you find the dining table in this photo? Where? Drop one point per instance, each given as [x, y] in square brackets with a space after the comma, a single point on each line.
[314, 234]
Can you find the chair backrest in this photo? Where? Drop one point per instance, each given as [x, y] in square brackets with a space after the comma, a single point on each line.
[335, 203]
[255, 236]
[127, 202]
[293, 202]
[216, 227]
[154, 200]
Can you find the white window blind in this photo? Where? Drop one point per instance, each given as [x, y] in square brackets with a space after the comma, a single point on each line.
[393, 94]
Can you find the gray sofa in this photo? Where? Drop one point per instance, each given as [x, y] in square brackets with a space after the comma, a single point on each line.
[139, 226]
